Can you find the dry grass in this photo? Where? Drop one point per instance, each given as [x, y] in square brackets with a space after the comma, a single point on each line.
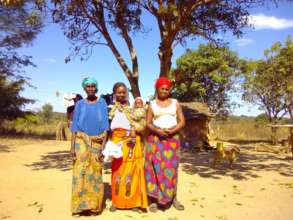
[245, 130]
[30, 130]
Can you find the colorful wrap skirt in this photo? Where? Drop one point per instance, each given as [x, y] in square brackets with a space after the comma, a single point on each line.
[128, 179]
[87, 182]
[161, 167]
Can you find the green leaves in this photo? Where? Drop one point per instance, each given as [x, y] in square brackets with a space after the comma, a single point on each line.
[269, 82]
[11, 102]
[19, 25]
[206, 75]
[47, 112]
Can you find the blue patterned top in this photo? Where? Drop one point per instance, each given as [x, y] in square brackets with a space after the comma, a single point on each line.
[90, 118]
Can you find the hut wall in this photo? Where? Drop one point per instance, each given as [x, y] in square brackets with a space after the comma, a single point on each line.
[195, 132]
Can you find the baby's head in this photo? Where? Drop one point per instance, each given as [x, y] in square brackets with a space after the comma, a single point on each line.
[138, 102]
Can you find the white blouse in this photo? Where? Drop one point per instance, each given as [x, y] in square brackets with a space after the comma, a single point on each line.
[164, 117]
[120, 121]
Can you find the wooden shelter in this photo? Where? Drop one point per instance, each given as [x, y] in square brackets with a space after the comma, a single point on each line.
[196, 133]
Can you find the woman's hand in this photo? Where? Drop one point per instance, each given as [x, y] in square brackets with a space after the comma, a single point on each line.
[101, 158]
[161, 132]
[72, 150]
[171, 131]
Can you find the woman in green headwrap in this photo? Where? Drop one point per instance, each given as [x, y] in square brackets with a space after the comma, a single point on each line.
[89, 132]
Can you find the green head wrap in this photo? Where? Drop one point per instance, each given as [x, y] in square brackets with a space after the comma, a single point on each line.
[89, 80]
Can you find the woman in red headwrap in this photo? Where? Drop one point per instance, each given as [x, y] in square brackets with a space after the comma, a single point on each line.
[164, 120]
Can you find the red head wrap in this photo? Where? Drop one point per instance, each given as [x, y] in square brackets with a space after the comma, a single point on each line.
[163, 81]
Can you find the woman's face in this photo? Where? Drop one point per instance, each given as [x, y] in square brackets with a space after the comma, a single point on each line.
[120, 94]
[163, 92]
[91, 89]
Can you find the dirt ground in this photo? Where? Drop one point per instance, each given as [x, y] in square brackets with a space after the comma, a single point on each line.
[35, 183]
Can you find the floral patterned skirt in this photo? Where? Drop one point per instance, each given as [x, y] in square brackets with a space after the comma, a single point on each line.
[87, 182]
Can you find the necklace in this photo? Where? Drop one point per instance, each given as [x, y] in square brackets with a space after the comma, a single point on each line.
[121, 108]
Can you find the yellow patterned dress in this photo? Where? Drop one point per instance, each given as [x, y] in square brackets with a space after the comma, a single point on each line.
[87, 182]
[128, 178]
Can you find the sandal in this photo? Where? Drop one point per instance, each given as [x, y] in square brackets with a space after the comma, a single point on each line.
[177, 205]
[153, 207]
[112, 208]
[136, 210]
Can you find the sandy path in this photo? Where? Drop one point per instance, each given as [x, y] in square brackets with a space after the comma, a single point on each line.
[36, 184]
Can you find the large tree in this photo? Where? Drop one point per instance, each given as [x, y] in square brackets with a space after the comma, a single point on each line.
[87, 23]
[207, 75]
[269, 83]
[284, 69]
[19, 25]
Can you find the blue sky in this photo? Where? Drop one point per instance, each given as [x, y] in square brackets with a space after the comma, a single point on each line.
[52, 74]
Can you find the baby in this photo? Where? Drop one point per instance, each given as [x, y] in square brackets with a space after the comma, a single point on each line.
[138, 116]
[138, 121]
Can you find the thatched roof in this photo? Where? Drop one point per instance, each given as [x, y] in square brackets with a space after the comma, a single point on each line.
[194, 110]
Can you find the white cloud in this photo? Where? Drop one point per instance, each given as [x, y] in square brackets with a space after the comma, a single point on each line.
[50, 60]
[261, 21]
[243, 42]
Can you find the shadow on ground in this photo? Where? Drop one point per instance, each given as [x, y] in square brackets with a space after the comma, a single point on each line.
[5, 148]
[248, 164]
[60, 160]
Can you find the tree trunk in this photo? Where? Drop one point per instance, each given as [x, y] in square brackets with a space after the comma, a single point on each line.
[291, 140]
[291, 114]
[134, 87]
[274, 136]
[132, 76]
[165, 56]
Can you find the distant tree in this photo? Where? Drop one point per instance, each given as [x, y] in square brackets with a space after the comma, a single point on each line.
[47, 112]
[269, 83]
[11, 102]
[207, 75]
[262, 118]
[89, 23]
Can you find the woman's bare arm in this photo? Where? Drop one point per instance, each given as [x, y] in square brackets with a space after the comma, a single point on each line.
[105, 139]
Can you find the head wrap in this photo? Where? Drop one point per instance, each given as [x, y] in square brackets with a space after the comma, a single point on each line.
[163, 81]
[88, 81]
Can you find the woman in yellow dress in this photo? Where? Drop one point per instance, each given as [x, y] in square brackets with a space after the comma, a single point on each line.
[128, 179]
[89, 132]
